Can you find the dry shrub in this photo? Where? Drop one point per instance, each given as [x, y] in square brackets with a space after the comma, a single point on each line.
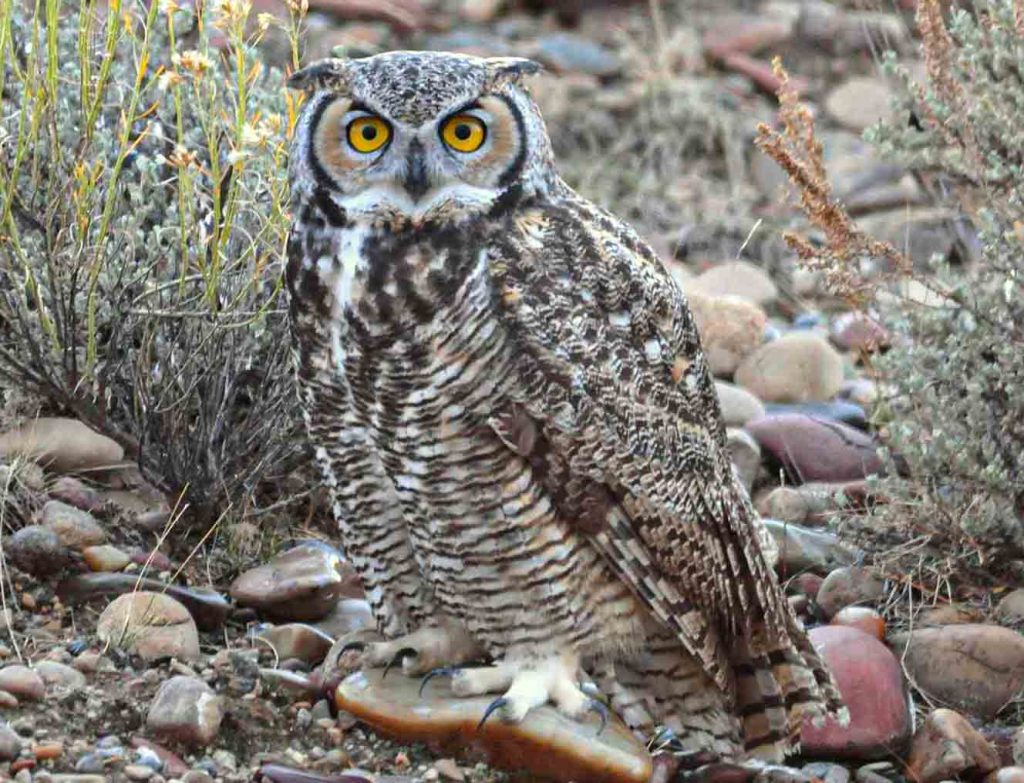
[954, 402]
[143, 217]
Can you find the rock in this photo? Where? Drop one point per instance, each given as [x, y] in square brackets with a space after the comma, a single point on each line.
[185, 710]
[847, 587]
[1006, 775]
[566, 52]
[479, 11]
[21, 682]
[1010, 609]
[75, 493]
[746, 456]
[172, 764]
[138, 772]
[62, 445]
[8, 700]
[544, 745]
[862, 392]
[813, 449]
[921, 233]
[75, 528]
[863, 619]
[801, 548]
[47, 751]
[730, 330]
[152, 625]
[810, 504]
[348, 615]
[297, 640]
[949, 614]
[735, 278]
[798, 367]
[732, 32]
[977, 669]
[105, 558]
[10, 743]
[947, 747]
[837, 410]
[871, 682]
[859, 332]
[59, 675]
[738, 405]
[860, 102]
[826, 772]
[208, 607]
[36, 550]
[302, 584]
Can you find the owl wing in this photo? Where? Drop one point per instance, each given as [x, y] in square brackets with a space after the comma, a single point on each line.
[610, 365]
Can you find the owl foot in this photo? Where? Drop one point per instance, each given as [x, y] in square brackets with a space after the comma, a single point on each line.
[422, 650]
[529, 685]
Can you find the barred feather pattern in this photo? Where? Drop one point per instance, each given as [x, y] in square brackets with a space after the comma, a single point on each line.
[610, 524]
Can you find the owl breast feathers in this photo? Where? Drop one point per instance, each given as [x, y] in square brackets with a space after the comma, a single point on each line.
[509, 402]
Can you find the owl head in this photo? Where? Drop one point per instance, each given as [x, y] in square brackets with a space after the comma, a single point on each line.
[412, 137]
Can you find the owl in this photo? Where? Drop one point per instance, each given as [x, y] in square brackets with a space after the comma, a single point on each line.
[508, 400]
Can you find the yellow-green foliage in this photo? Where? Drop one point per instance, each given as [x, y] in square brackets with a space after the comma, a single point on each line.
[143, 215]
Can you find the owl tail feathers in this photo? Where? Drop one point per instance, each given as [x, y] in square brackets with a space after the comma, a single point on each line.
[777, 687]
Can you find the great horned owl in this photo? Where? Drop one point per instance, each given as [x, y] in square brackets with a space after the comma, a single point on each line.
[509, 401]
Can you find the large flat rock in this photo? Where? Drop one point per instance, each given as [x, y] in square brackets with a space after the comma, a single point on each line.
[546, 744]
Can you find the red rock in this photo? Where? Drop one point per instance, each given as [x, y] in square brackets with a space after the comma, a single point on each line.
[747, 36]
[814, 449]
[947, 747]
[862, 618]
[807, 583]
[173, 765]
[976, 668]
[22, 682]
[871, 682]
[761, 73]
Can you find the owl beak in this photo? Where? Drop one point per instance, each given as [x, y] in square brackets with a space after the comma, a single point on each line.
[416, 181]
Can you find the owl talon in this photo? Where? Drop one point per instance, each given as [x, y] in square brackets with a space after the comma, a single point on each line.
[598, 706]
[493, 707]
[399, 658]
[443, 671]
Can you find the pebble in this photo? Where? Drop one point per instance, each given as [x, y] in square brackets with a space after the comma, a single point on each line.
[1010, 609]
[169, 763]
[105, 558]
[10, 743]
[738, 405]
[297, 640]
[948, 614]
[745, 455]
[826, 772]
[860, 102]
[813, 449]
[566, 52]
[880, 720]
[802, 548]
[75, 492]
[859, 332]
[22, 682]
[8, 700]
[36, 550]
[47, 751]
[947, 747]
[138, 772]
[730, 330]
[59, 675]
[544, 745]
[75, 528]
[846, 587]
[735, 278]
[1006, 775]
[62, 445]
[862, 618]
[798, 367]
[208, 608]
[302, 584]
[811, 504]
[348, 615]
[185, 710]
[152, 625]
[976, 668]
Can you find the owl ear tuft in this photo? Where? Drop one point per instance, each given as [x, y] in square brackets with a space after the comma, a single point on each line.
[332, 74]
[503, 71]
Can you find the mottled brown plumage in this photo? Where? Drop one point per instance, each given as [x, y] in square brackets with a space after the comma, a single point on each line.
[510, 403]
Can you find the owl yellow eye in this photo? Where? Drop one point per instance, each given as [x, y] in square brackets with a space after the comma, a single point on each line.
[368, 134]
[464, 133]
